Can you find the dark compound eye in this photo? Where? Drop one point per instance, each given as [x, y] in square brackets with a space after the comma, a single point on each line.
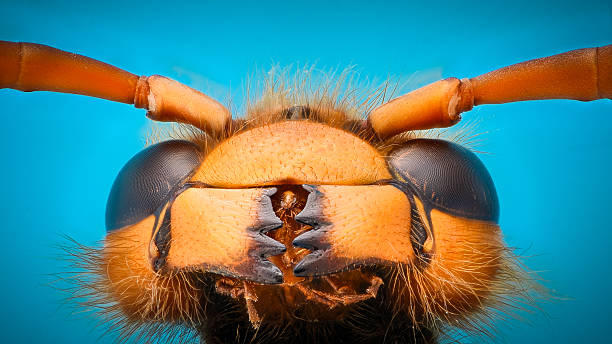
[448, 176]
[148, 180]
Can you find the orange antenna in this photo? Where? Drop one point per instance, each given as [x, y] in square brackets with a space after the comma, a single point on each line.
[34, 67]
[584, 74]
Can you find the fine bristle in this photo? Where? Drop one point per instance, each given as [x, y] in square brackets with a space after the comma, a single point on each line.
[464, 300]
[156, 316]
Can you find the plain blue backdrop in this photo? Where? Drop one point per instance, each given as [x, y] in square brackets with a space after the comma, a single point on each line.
[550, 160]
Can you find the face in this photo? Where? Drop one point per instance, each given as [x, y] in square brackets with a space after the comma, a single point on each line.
[300, 219]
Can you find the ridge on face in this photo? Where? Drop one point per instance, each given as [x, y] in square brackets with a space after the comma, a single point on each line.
[292, 152]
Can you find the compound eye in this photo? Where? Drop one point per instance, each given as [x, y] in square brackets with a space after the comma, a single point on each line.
[448, 177]
[148, 180]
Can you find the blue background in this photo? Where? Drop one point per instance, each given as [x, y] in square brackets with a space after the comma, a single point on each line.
[550, 160]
